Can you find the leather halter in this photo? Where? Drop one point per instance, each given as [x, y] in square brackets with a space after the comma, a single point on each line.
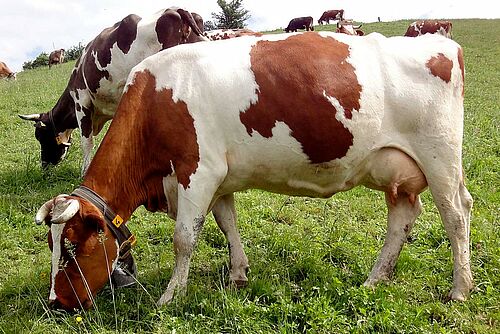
[126, 240]
[56, 135]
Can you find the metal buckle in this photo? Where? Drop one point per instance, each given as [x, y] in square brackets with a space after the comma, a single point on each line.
[126, 247]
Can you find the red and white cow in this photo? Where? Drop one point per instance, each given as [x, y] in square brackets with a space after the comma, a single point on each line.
[334, 14]
[199, 122]
[346, 27]
[220, 34]
[423, 27]
[5, 71]
[56, 57]
[96, 83]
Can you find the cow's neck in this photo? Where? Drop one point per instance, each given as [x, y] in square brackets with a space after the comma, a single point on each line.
[63, 114]
[128, 168]
[125, 180]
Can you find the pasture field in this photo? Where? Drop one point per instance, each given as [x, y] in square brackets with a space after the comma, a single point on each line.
[308, 257]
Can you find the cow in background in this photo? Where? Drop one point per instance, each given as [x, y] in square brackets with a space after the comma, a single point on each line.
[305, 22]
[423, 27]
[5, 71]
[334, 14]
[56, 57]
[96, 83]
[346, 27]
[220, 34]
[199, 122]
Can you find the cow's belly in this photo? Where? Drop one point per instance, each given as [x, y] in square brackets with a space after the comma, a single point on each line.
[279, 164]
[321, 180]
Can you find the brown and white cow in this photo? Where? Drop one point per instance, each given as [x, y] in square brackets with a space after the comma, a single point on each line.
[56, 57]
[199, 122]
[305, 22]
[220, 34]
[423, 27]
[5, 71]
[334, 14]
[346, 27]
[96, 83]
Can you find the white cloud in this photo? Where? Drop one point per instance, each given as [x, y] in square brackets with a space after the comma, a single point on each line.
[30, 26]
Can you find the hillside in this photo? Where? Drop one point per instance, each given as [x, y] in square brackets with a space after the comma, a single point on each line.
[308, 257]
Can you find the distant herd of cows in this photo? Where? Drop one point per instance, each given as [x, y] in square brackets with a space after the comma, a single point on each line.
[417, 28]
[196, 123]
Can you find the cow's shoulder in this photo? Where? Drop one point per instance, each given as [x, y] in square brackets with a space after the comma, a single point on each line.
[123, 33]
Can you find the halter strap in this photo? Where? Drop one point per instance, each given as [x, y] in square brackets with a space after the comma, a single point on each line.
[115, 223]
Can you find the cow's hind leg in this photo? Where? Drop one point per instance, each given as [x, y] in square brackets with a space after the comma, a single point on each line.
[402, 214]
[455, 212]
[225, 216]
[398, 175]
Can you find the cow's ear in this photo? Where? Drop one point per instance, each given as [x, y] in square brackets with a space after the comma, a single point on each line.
[91, 216]
[94, 222]
[94, 226]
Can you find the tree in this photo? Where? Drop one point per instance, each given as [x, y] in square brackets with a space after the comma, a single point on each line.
[209, 25]
[231, 16]
[74, 52]
[41, 60]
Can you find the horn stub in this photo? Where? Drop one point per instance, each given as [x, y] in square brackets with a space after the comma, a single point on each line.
[64, 211]
[31, 117]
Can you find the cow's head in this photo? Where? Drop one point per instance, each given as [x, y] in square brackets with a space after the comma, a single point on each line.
[346, 27]
[84, 251]
[54, 146]
[177, 26]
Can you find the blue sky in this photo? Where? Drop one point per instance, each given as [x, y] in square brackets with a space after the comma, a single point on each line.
[28, 27]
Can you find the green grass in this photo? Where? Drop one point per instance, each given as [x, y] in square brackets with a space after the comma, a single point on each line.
[308, 257]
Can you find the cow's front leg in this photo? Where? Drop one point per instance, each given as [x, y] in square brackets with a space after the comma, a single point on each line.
[192, 206]
[186, 234]
[87, 147]
[400, 221]
[225, 216]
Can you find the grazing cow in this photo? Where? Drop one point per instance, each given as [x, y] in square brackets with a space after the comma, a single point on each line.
[334, 14]
[5, 71]
[346, 27]
[220, 34]
[423, 27]
[198, 122]
[96, 83]
[305, 22]
[56, 57]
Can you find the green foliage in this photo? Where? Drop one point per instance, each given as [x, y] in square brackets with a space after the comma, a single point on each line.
[74, 52]
[209, 25]
[41, 60]
[308, 257]
[231, 16]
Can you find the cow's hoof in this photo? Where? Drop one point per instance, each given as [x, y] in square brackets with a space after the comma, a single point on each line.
[372, 282]
[165, 299]
[241, 283]
[457, 295]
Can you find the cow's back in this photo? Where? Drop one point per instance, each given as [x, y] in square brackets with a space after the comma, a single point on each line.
[283, 117]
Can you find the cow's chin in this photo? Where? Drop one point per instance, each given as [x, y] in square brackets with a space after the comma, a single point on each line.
[71, 307]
